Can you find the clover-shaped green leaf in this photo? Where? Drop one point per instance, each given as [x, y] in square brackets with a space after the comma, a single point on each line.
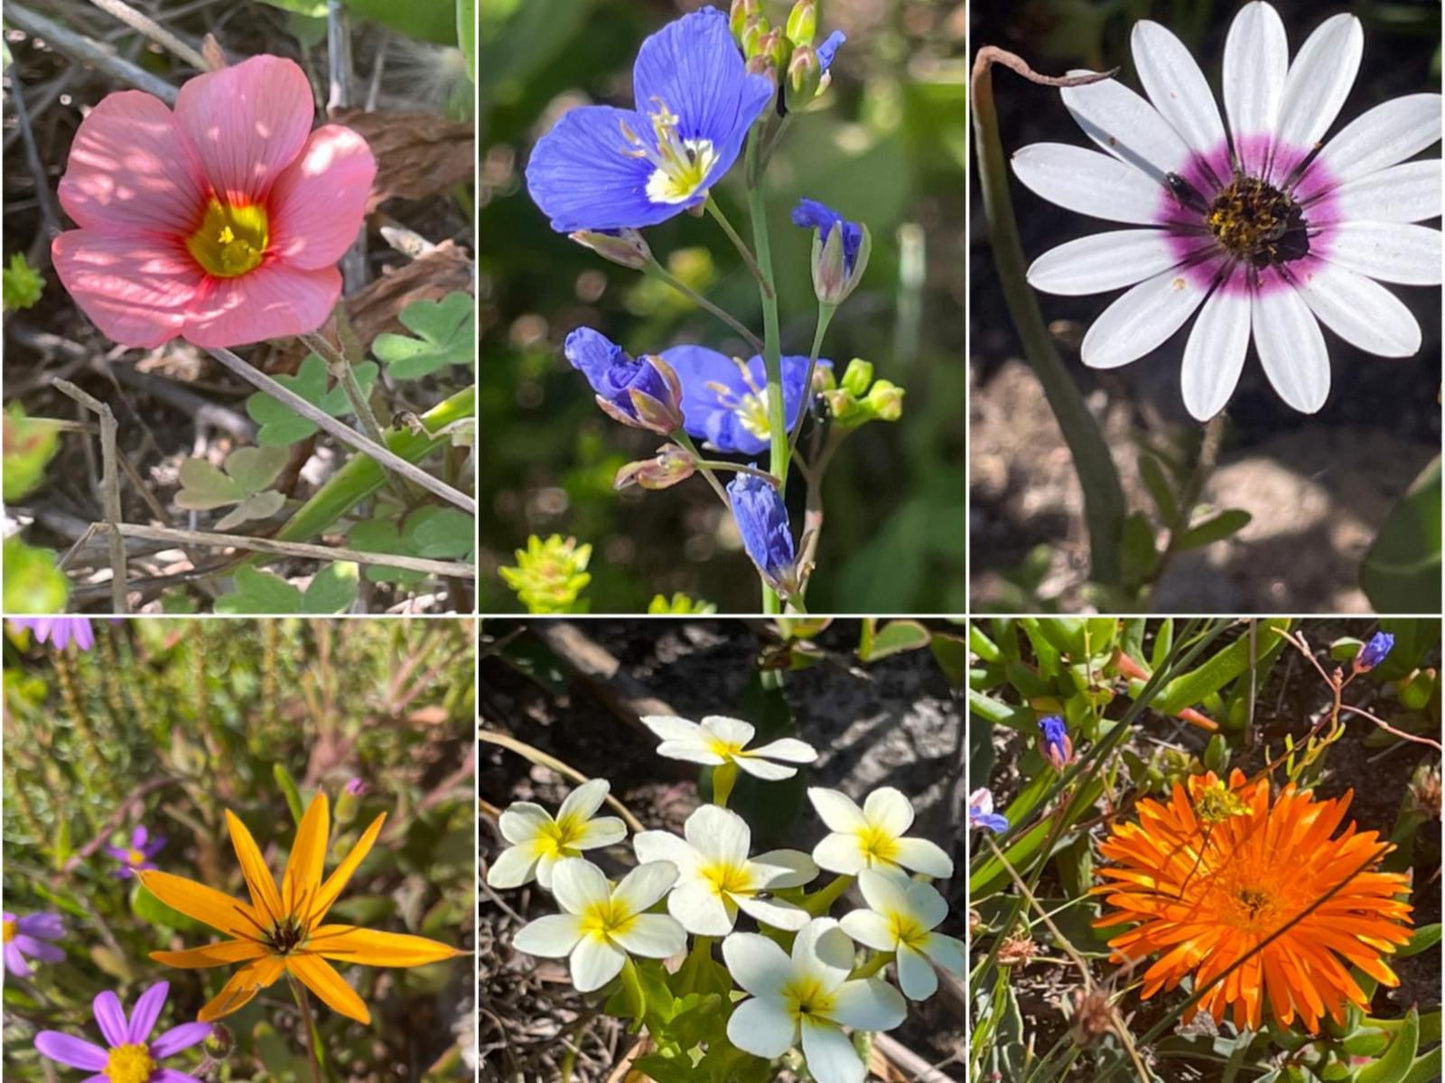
[248, 472]
[331, 590]
[431, 533]
[281, 425]
[446, 329]
[382, 536]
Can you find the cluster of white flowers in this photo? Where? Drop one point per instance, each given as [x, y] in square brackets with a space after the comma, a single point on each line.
[708, 875]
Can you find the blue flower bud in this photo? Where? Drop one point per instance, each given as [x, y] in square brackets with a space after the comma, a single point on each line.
[643, 394]
[762, 520]
[840, 250]
[1374, 652]
[1058, 748]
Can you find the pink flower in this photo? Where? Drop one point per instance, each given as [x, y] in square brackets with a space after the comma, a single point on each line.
[221, 222]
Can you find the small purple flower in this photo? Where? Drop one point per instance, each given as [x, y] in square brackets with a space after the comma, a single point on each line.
[138, 854]
[1374, 652]
[810, 214]
[130, 1056]
[28, 936]
[644, 394]
[59, 631]
[725, 401]
[1058, 748]
[356, 787]
[981, 813]
[762, 520]
[829, 49]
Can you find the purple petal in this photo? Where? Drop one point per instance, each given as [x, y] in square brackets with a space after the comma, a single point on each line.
[111, 1017]
[170, 1075]
[155, 846]
[71, 1051]
[47, 925]
[15, 961]
[138, 837]
[9, 916]
[178, 1038]
[100, 1077]
[39, 949]
[146, 1011]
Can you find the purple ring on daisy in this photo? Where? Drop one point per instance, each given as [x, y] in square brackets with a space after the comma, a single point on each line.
[129, 1055]
[139, 854]
[29, 937]
[1267, 229]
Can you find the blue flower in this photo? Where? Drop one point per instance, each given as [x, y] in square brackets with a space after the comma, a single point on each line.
[1058, 748]
[725, 402]
[1374, 652]
[829, 49]
[762, 520]
[644, 394]
[602, 168]
[810, 214]
[981, 813]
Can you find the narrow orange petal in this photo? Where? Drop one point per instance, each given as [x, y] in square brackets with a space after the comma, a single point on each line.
[318, 976]
[223, 954]
[243, 986]
[259, 881]
[371, 948]
[336, 882]
[204, 904]
[308, 854]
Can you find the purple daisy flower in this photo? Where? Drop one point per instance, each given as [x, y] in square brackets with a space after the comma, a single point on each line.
[130, 1056]
[725, 401]
[60, 631]
[138, 854]
[28, 936]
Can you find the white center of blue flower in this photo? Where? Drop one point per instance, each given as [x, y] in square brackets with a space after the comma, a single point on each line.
[750, 408]
[682, 166]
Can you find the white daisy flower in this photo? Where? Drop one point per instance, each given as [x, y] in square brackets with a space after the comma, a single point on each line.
[807, 996]
[718, 740]
[601, 924]
[716, 878]
[1262, 231]
[901, 917]
[539, 840]
[872, 837]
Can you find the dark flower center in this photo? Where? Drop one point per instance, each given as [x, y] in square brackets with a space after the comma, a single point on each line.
[286, 935]
[1258, 223]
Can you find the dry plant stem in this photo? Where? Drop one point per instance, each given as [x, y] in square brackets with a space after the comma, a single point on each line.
[1416, 738]
[303, 550]
[348, 436]
[341, 370]
[110, 488]
[50, 223]
[144, 24]
[313, 1051]
[84, 50]
[536, 755]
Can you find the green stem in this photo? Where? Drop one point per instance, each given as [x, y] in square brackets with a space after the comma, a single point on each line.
[819, 903]
[313, 1038]
[825, 317]
[697, 959]
[684, 441]
[737, 468]
[657, 271]
[632, 985]
[1104, 504]
[877, 960]
[714, 209]
[723, 780]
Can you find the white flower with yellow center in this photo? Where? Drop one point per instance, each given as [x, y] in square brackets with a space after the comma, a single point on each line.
[901, 918]
[718, 740]
[807, 997]
[716, 878]
[872, 837]
[539, 841]
[601, 924]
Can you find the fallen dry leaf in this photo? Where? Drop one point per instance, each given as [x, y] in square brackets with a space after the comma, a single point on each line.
[417, 154]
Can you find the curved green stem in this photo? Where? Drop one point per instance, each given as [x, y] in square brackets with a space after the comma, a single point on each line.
[662, 274]
[684, 441]
[632, 986]
[714, 209]
[825, 317]
[877, 960]
[313, 1038]
[819, 903]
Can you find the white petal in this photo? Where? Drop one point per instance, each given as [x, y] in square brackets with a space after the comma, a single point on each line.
[545, 865]
[603, 831]
[840, 853]
[870, 929]
[513, 868]
[946, 952]
[869, 1004]
[768, 772]
[1088, 182]
[1176, 87]
[1409, 192]
[1256, 64]
[1126, 126]
[1291, 348]
[549, 937]
[668, 727]
[1319, 81]
[915, 974]
[762, 1027]
[823, 951]
[701, 910]
[522, 821]
[730, 731]
[1389, 133]
[887, 893]
[585, 800]
[595, 962]
[720, 835]
[757, 963]
[690, 751]
[837, 810]
[774, 912]
[578, 884]
[653, 936]
[665, 846]
[830, 1055]
[783, 868]
[1361, 311]
[928, 907]
[1141, 320]
[888, 810]
[789, 749]
[644, 885]
[1389, 251]
[1214, 354]
[926, 857]
[1103, 261]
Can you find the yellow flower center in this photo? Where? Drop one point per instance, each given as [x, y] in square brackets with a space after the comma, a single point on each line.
[727, 879]
[681, 165]
[750, 408]
[1258, 222]
[230, 241]
[718, 747]
[604, 919]
[878, 845]
[806, 999]
[9, 932]
[907, 931]
[135, 857]
[129, 1064]
[559, 838]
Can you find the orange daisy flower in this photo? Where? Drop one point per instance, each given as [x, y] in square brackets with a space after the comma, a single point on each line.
[1208, 877]
[281, 931]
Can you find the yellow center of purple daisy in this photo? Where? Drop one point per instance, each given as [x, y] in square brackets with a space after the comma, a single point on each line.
[231, 240]
[135, 857]
[129, 1064]
[9, 932]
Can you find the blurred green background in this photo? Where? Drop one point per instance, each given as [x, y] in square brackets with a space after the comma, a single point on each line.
[885, 146]
[167, 723]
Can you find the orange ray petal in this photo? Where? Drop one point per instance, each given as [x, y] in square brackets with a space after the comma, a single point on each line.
[318, 976]
[223, 954]
[244, 984]
[264, 896]
[204, 904]
[308, 853]
[371, 948]
[336, 882]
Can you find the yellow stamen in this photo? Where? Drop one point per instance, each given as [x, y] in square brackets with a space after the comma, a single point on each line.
[9, 932]
[609, 918]
[129, 1064]
[907, 931]
[727, 879]
[559, 838]
[682, 165]
[878, 845]
[806, 999]
[230, 241]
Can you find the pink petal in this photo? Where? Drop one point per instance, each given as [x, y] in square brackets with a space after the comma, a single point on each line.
[137, 289]
[247, 123]
[270, 302]
[319, 201]
[131, 170]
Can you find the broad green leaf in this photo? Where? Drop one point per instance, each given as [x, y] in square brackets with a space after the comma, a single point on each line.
[259, 593]
[254, 468]
[1212, 530]
[204, 486]
[441, 533]
[287, 785]
[893, 638]
[445, 331]
[33, 583]
[1157, 482]
[281, 425]
[1401, 572]
[29, 446]
[1395, 1064]
[467, 34]
[1426, 1069]
[332, 589]
[381, 536]
[425, 20]
[261, 506]
[1189, 689]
